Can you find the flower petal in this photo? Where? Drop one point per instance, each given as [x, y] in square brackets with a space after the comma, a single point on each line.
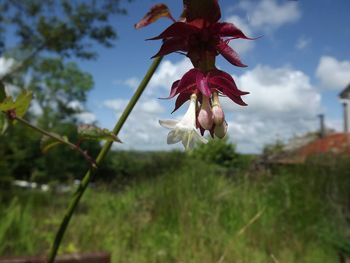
[199, 138]
[174, 136]
[227, 52]
[168, 124]
[171, 45]
[190, 139]
[225, 83]
[202, 83]
[229, 30]
[217, 72]
[177, 29]
[232, 96]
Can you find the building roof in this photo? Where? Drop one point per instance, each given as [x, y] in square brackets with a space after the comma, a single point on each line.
[335, 143]
[345, 94]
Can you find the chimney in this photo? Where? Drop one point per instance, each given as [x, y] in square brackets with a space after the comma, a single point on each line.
[346, 116]
[322, 126]
[345, 99]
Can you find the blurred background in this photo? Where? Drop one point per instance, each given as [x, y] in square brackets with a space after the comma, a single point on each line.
[276, 189]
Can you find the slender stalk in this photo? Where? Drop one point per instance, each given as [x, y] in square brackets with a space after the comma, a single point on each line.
[55, 137]
[105, 149]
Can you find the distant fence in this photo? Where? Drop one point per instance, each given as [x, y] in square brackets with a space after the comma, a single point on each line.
[101, 257]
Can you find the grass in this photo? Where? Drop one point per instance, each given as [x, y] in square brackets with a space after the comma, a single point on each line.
[194, 215]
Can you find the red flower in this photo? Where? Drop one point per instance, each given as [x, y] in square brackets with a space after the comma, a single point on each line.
[201, 37]
[195, 81]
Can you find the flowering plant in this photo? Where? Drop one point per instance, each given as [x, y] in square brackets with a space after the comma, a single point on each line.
[201, 37]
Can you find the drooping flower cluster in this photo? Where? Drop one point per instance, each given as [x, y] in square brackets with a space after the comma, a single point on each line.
[200, 36]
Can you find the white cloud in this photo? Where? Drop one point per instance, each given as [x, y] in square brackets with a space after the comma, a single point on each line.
[263, 16]
[151, 106]
[132, 82]
[241, 45]
[278, 90]
[86, 117]
[116, 104]
[142, 130]
[302, 43]
[268, 15]
[75, 105]
[282, 103]
[5, 65]
[333, 74]
[167, 73]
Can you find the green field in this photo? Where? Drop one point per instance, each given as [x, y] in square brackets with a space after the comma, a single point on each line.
[199, 213]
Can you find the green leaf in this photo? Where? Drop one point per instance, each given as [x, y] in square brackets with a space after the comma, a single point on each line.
[3, 124]
[91, 132]
[48, 143]
[20, 105]
[2, 92]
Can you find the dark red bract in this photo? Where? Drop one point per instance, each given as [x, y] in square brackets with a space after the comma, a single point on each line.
[195, 81]
[201, 37]
[201, 41]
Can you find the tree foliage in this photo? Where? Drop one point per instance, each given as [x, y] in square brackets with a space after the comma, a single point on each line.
[45, 40]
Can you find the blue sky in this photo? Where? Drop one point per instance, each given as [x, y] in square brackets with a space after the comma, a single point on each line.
[295, 72]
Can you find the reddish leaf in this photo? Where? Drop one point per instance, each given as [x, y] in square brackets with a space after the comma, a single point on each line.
[188, 81]
[237, 99]
[181, 99]
[173, 90]
[229, 30]
[156, 12]
[227, 52]
[177, 29]
[224, 83]
[171, 45]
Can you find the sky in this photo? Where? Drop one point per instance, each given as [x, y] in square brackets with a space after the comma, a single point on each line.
[296, 70]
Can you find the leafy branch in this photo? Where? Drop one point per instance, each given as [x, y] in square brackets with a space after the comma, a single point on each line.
[16, 109]
[62, 140]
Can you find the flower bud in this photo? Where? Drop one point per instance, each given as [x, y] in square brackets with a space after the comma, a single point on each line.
[221, 130]
[219, 116]
[205, 115]
[218, 113]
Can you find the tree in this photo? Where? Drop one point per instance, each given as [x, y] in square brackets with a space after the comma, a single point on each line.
[44, 39]
[217, 151]
[44, 36]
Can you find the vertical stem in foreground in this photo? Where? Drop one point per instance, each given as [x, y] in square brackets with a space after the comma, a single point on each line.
[105, 149]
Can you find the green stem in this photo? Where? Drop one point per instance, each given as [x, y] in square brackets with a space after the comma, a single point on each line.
[105, 149]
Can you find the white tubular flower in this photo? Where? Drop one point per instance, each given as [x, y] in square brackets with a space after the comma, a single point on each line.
[185, 129]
